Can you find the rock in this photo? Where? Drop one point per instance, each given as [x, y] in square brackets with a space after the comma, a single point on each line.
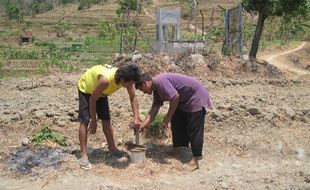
[166, 59]
[25, 141]
[305, 119]
[224, 185]
[60, 123]
[6, 112]
[15, 117]
[136, 57]
[50, 114]
[197, 58]
[300, 153]
[217, 116]
[269, 116]
[289, 112]
[71, 113]
[254, 111]
[242, 106]
[39, 114]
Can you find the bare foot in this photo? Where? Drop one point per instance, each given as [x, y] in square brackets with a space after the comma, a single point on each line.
[193, 164]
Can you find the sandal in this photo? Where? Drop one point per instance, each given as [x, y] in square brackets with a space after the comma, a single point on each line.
[84, 164]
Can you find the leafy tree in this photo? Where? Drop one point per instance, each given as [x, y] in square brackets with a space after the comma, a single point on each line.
[12, 11]
[126, 6]
[66, 1]
[129, 27]
[268, 8]
[35, 7]
[84, 4]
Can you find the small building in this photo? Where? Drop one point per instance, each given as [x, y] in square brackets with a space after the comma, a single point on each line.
[26, 38]
[168, 33]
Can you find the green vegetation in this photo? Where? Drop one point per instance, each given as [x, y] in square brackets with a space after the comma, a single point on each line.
[12, 11]
[61, 28]
[95, 41]
[86, 4]
[47, 134]
[20, 54]
[127, 6]
[286, 9]
[155, 129]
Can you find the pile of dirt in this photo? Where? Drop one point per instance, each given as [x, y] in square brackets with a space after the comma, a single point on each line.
[213, 65]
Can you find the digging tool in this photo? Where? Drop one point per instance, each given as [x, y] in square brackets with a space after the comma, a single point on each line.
[137, 133]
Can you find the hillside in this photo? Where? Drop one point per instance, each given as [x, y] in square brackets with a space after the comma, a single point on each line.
[256, 133]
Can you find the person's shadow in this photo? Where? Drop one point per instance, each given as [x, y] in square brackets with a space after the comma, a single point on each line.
[99, 155]
[161, 152]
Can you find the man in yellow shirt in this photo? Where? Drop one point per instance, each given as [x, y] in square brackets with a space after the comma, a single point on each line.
[94, 87]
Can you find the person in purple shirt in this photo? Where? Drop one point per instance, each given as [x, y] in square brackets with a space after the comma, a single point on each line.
[188, 100]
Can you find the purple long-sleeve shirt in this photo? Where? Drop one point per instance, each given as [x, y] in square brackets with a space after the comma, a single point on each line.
[193, 95]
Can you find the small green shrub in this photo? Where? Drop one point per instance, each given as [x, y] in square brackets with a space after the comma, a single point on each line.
[61, 28]
[75, 47]
[155, 129]
[42, 43]
[89, 40]
[47, 134]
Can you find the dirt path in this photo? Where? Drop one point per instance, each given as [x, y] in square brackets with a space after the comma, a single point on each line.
[278, 61]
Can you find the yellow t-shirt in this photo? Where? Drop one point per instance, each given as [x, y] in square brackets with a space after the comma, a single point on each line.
[88, 81]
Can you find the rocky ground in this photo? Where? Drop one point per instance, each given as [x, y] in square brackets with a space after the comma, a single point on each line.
[256, 134]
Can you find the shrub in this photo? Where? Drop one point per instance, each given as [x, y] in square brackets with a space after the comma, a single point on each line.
[155, 129]
[47, 134]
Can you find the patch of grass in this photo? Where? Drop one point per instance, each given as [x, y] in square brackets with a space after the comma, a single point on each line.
[89, 40]
[8, 33]
[20, 54]
[47, 134]
[43, 43]
[49, 64]
[75, 47]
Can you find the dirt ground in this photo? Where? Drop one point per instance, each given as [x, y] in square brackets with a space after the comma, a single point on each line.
[256, 134]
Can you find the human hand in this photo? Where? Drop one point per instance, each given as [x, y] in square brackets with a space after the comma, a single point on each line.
[92, 127]
[165, 122]
[137, 123]
[141, 128]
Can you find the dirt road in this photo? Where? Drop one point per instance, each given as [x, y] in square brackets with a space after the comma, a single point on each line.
[275, 59]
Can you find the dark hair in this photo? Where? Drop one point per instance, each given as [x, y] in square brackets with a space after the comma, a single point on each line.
[127, 73]
[143, 77]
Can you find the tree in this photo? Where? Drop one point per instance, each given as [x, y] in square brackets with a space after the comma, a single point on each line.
[12, 11]
[127, 26]
[268, 8]
[126, 6]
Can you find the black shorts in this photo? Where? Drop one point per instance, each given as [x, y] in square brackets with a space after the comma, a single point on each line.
[102, 108]
[188, 128]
